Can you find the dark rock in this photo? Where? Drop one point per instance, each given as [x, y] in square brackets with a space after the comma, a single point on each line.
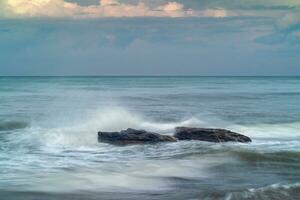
[132, 136]
[209, 135]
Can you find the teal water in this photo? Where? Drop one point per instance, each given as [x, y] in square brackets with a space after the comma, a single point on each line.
[49, 148]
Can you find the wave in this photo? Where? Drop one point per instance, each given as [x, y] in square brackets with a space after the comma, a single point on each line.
[276, 191]
[74, 155]
[281, 130]
[291, 157]
[12, 125]
[83, 130]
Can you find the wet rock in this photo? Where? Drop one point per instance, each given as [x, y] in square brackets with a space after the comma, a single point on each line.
[132, 136]
[209, 135]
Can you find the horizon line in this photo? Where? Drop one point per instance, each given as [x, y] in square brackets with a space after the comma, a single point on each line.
[149, 76]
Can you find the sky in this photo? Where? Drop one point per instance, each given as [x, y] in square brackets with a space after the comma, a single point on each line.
[150, 37]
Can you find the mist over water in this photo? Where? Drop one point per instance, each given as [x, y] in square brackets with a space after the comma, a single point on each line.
[49, 147]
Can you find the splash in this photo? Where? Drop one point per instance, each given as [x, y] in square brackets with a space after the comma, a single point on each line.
[283, 130]
[83, 131]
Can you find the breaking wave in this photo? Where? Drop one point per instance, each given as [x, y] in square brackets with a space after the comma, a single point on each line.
[276, 191]
[71, 145]
[83, 131]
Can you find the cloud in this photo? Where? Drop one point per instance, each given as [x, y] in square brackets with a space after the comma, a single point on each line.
[105, 8]
[286, 30]
[171, 7]
[289, 20]
[244, 4]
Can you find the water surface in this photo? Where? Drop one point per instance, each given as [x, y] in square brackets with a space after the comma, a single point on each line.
[49, 148]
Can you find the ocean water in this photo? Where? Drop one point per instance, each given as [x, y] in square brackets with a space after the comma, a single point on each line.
[49, 148]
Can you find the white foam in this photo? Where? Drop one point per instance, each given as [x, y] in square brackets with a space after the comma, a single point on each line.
[83, 131]
[142, 175]
[283, 130]
[275, 186]
[101, 168]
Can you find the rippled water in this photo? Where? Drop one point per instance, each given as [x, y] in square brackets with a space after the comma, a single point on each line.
[49, 148]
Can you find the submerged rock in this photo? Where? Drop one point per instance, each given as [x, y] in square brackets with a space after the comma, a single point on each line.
[209, 135]
[132, 136]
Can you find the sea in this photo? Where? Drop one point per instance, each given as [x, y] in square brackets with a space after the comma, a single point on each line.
[49, 148]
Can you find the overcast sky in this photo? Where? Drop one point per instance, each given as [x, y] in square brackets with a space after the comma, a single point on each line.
[150, 37]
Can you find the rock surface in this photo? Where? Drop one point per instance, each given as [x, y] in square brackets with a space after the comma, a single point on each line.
[132, 136]
[209, 135]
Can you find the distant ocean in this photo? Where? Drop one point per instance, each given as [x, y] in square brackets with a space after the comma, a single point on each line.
[49, 148]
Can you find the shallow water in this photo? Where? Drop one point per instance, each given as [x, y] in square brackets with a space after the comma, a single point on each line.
[49, 148]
